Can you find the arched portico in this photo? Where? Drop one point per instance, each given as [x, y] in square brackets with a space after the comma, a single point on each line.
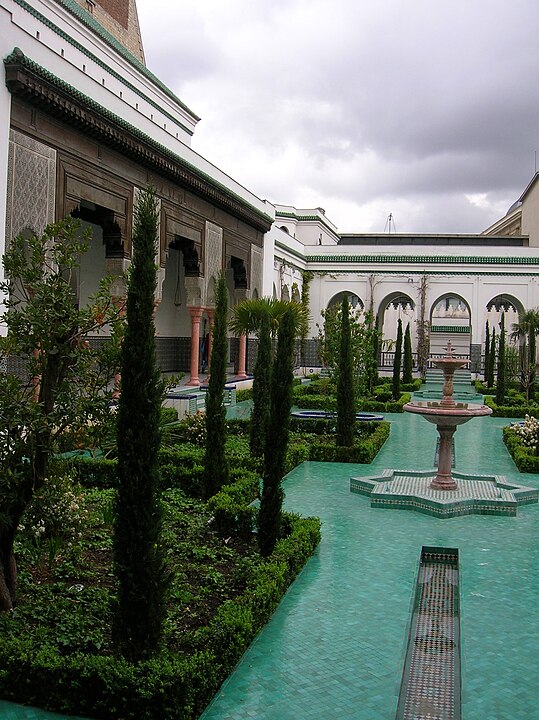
[394, 307]
[355, 302]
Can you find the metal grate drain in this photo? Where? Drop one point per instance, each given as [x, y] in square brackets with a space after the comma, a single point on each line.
[430, 688]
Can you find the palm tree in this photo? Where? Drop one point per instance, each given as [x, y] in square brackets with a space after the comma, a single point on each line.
[525, 332]
[261, 317]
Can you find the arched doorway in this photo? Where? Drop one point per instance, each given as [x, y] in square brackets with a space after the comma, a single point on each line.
[394, 307]
[450, 321]
[355, 302]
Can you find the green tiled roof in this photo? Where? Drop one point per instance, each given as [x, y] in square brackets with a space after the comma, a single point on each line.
[462, 329]
[305, 218]
[425, 259]
[87, 19]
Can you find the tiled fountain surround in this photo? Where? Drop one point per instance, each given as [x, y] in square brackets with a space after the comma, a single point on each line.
[335, 647]
[412, 490]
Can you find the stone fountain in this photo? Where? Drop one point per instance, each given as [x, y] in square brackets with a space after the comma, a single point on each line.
[447, 415]
[437, 492]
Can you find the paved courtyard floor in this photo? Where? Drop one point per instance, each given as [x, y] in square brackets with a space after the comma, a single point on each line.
[334, 649]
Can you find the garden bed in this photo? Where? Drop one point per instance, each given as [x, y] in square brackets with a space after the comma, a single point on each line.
[524, 456]
[56, 649]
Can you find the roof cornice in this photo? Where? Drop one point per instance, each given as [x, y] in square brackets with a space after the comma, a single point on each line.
[41, 88]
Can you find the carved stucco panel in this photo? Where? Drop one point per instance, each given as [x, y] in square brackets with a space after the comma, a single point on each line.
[31, 185]
[213, 254]
[257, 270]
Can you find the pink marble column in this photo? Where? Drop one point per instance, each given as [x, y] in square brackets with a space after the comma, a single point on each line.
[196, 314]
[242, 358]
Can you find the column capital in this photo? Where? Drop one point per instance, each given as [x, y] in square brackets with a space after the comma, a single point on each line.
[195, 312]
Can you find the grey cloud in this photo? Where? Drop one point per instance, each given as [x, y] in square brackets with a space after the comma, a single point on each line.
[420, 102]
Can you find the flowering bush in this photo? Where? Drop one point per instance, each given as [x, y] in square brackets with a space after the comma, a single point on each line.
[56, 511]
[193, 428]
[528, 432]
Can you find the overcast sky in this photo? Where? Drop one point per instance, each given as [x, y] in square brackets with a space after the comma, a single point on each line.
[426, 109]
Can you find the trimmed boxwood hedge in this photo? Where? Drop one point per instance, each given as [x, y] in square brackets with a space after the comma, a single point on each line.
[511, 411]
[523, 456]
[232, 512]
[180, 467]
[363, 451]
[329, 403]
[169, 686]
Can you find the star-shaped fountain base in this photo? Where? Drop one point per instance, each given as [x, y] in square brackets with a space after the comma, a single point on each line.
[474, 495]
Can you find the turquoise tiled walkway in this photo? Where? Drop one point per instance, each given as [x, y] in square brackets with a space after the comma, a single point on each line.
[335, 647]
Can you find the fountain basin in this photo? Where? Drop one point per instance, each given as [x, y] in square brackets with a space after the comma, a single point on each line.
[437, 413]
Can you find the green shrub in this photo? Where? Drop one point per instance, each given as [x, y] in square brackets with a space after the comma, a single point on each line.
[231, 509]
[94, 472]
[238, 426]
[363, 451]
[242, 395]
[413, 386]
[297, 452]
[394, 406]
[329, 403]
[383, 393]
[524, 457]
[168, 415]
[55, 511]
[511, 411]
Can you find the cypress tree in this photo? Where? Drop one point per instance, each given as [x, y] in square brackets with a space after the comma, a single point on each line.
[138, 554]
[261, 389]
[491, 359]
[216, 465]
[500, 375]
[277, 437]
[372, 338]
[487, 353]
[346, 407]
[408, 364]
[396, 386]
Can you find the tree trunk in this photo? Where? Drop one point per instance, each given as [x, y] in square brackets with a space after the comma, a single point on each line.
[8, 571]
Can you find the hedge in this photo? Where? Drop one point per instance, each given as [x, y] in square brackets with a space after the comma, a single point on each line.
[171, 687]
[180, 467]
[522, 455]
[511, 411]
[328, 403]
[231, 509]
[363, 451]
[242, 395]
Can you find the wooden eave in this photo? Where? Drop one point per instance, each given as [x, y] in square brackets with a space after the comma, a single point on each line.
[40, 88]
